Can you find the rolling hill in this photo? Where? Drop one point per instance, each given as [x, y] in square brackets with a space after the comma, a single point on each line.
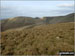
[21, 21]
[46, 39]
[60, 19]
[17, 22]
[36, 36]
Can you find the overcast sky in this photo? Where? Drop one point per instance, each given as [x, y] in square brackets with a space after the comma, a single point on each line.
[35, 8]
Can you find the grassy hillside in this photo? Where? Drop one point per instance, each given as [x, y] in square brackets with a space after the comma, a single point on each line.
[46, 39]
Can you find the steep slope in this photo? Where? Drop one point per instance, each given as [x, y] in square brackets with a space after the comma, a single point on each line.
[44, 39]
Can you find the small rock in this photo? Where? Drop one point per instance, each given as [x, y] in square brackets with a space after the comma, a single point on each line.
[57, 37]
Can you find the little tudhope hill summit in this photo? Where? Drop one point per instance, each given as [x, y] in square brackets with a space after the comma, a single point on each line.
[35, 36]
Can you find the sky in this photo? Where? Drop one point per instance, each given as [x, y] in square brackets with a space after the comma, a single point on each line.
[16, 8]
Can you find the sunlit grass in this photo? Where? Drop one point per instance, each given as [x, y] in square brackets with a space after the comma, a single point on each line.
[44, 39]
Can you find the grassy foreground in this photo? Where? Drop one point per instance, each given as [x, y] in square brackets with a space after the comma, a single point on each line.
[40, 40]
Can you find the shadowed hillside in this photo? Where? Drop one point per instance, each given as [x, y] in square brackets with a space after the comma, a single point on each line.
[60, 19]
[42, 39]
[17, 22]
[21, 21]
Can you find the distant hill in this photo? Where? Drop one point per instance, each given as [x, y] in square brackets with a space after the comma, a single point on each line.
[21, 21]
[60, 19]
[17, 22]
[40, 40]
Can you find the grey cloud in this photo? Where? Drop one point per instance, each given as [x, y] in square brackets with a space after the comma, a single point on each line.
[71, 6]
[63, 11]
